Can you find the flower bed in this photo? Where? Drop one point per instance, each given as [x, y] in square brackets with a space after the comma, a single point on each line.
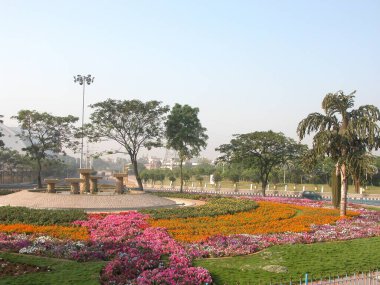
[139, 253]
[268, 218]
[62, 232]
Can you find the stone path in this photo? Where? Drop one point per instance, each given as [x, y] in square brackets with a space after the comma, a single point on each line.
[88, 202]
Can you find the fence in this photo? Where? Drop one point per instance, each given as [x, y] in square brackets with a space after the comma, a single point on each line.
[362, 278]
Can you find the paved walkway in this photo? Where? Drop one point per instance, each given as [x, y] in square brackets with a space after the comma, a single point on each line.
[90, 203]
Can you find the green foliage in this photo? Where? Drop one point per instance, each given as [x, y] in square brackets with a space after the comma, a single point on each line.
[47, 135]
[213, 207]
[217, 177]
[14, 215]
[319, 260]
[185, 134]
[131, 123]
[344, 134]
[262, 150]
[6, 191]
[172, 178]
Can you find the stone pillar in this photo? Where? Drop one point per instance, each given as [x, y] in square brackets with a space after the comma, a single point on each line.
[85, 175]
[74, 184]
[119, 182]
[51, 185]
[94, 184]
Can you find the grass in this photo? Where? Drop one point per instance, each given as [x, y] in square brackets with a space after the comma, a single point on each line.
[62, 271]
[320, 259]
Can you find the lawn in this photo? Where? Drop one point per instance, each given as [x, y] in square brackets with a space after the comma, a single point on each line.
[280, 263]
[62, 271]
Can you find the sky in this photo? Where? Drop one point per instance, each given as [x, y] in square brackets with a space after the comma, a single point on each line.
[247, 65]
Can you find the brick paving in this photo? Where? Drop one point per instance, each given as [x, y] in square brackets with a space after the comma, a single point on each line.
[88, 202]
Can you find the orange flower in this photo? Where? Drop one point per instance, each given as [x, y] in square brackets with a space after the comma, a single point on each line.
[269, 217]
[73, 233]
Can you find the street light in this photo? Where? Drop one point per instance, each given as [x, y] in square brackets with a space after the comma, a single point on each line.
[83, 80]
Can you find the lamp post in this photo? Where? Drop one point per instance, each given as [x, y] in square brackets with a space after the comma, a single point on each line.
[83, 80]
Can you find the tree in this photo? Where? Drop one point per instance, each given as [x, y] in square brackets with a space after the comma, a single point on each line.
[360, 166]
[10, 160]
[342, 133]
[185, 134]
[47, 136]
[217, 179]
[261, 150]
[1, 134]
[132, 124]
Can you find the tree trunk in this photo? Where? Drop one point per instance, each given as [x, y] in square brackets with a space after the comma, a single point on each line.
[39, 179]
[335, 189]
[138, 179]
[181, 175]
[356, 183]
[343, 201]
[263, 186]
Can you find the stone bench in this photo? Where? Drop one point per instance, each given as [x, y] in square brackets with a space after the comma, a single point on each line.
[85, 175]
[94, 183]
[120, 182]
[51, 185]
[74, 184]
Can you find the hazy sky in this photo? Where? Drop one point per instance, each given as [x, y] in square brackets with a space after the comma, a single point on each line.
[248, 65]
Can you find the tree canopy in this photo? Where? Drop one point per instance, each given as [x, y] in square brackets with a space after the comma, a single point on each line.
[185, 134]
[343, 133]
[131, 123]
[262, 150]
[45, 134]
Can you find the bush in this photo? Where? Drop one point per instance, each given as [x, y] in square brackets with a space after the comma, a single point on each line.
[214, 207]
[22, 215]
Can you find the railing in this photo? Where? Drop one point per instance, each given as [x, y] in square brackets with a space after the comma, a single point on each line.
[361, 278]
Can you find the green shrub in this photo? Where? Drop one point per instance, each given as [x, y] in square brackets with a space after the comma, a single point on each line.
[15, 215]
[6, 191]
[214, 207]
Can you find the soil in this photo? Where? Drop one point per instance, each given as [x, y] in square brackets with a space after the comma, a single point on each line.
[8, 268]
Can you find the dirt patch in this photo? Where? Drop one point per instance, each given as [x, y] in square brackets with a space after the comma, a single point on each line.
[8, 268]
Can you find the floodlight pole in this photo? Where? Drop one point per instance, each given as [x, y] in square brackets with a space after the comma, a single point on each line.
[83, 80]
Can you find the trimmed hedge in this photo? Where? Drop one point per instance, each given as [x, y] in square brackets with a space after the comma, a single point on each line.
[214, 207]
[40, 217]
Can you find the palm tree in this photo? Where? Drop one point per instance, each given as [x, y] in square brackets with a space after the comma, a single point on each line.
[341, 133]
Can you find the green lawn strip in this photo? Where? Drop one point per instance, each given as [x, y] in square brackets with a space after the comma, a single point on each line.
[319, 259]
[62, 271]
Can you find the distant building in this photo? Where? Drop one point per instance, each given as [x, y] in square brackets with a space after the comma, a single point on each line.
[10, 138]
[153, 163]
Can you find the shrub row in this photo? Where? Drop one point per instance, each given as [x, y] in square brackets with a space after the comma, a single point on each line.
[214, 207]
[22, 215]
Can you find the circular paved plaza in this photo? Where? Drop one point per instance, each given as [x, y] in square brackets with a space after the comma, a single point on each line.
[88, 202]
